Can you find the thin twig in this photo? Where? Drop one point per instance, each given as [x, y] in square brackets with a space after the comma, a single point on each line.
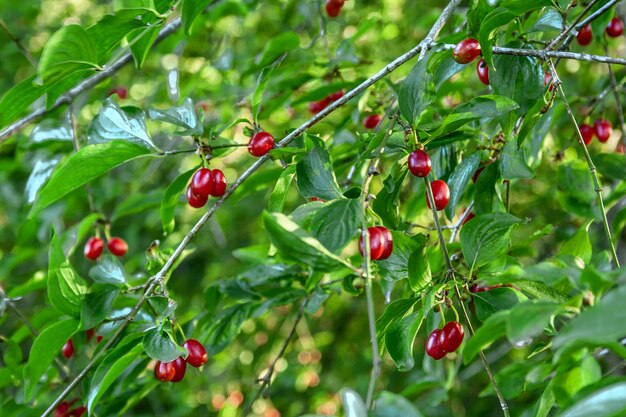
[266, 379]
[568, 29]
[618, 101]
[592, 169]
[19, 44]
[455, 228]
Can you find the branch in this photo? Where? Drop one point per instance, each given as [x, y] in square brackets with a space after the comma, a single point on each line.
[266, 379]
[567, 30]
[19, 44]
[618, 101]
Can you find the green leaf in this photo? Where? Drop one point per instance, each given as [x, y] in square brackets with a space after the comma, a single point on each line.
[113, 365]
[43, 351]
[606, 402]
[142, 46]
[116, 123]
[295, 244]
[159, 345]
[109, 32]
[261, 84]
[513, 163]
[492, 329]
[226, 327]
[611, 165]
[399, 340]
[393, 312]
[98, 305]
[492, 301]
[108, 271]
[579, 245]
[459, 179]
[353, 405]
[527, 320]
[336, 223]
[191, 9]
[279, 193]
[170, 199]
[602, 323]
[486, 237]
[315, 174]
[486, 196]
[70, 49]
[420, 274]
[551, 19]
[386, 202]
[417, 91]
[282, 43]
[518, 77]
[65, 288]
[19, 98]
[85, 165]
[396, 267]
[389, 404]
[183, 116]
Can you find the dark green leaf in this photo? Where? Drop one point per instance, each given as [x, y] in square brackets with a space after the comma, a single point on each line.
[191, 11]
[85, 165]
[527, 320]
[389, 404]
[459, 179]
[513, 163]
[417, 92]
[492, 301]
[486, 237]
[551, 19]
[227, 326]
[486, 196]
[386, 202]
[518, 77]
[492, 329]
[159, 345]
[419, 270]
[315, 174]
[336, 223]
[611, 165]
[108, 271]
[394, 311]
[97, 305]
[65, 288]
[399, 340]
[279, 193]
[607, 402]
[396, 267]
[170, 199]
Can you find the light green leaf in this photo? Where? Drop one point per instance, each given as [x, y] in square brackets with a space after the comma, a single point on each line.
[279, 193]
[607, 402]
[417, 91]
[529, 319]
[513, 163]
[191, 10]
[459, 179]
[70, 49]
[159, 345]
[315, 174]
[353, 405]
[399, 340]
[389, 404]
[183, 116]
[116, 123]
[486, 237]
[579, 245]
[170, 199]
[492, 329]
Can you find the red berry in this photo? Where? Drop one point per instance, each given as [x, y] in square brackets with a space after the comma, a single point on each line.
[335, 96]
[122, 92]
[89, 333]
[78, 411]
[466, 51]
[317, 199]
[260, 144]
[584, 35]
[620, 147]
[63, 409]
[468, 218]
[615, 28]
[587, 132]
[547, 80]
[99, 338]
[451, 336]
[117, 246]
[202, 182]
[93, 248]
[372, 121]
[387, 242]
[441, 194]
[433, 345]
[419, 163]
[180, 366]
[68, 349]
[195, 200]
[603, 129]
[332, 9]
[477, 288]
[197, 353]
[220, 183]
[483, 71]
[377, 243]
[164, 371]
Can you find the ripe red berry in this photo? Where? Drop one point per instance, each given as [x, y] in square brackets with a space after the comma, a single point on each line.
[547, 80]
[433, 345]
[78, 411]
[63, 409]
[419, 163]
[603, 129]
[89, 333]
[68, 349]
[99, 338]
[587, 132]
[483, 71]
[468, 218]
[477, 288]
[197, 353]
[180, 366]
[615, 28]
[317, 106]
[378, 246]
[451, 336]
[195, 200]
[164, 371]
[117, 246]
[202, 182]
[466, 51]
[122, 92]
[317, 199]
[260, 144]
[335, 96]
[372, 121]
[584, 35]
[441, 194]
[620, 147]
[220, 183]
[93, 248]
[387, 242]
[332, 8]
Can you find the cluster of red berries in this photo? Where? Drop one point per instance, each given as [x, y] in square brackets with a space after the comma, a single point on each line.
[205, 182]
[614, 29]
[63, 409]
[443, 341]
[333, 7]
[94, 247]
[602, 129]
[317, 106]
[372, 121]
[420, 166]
[381, 243]
[174, 371]
[260, 144]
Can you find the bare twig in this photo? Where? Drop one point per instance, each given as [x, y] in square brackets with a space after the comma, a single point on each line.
[568, 29]
[19, 44]
[266, 379]
[455, 228]
[618, 101]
